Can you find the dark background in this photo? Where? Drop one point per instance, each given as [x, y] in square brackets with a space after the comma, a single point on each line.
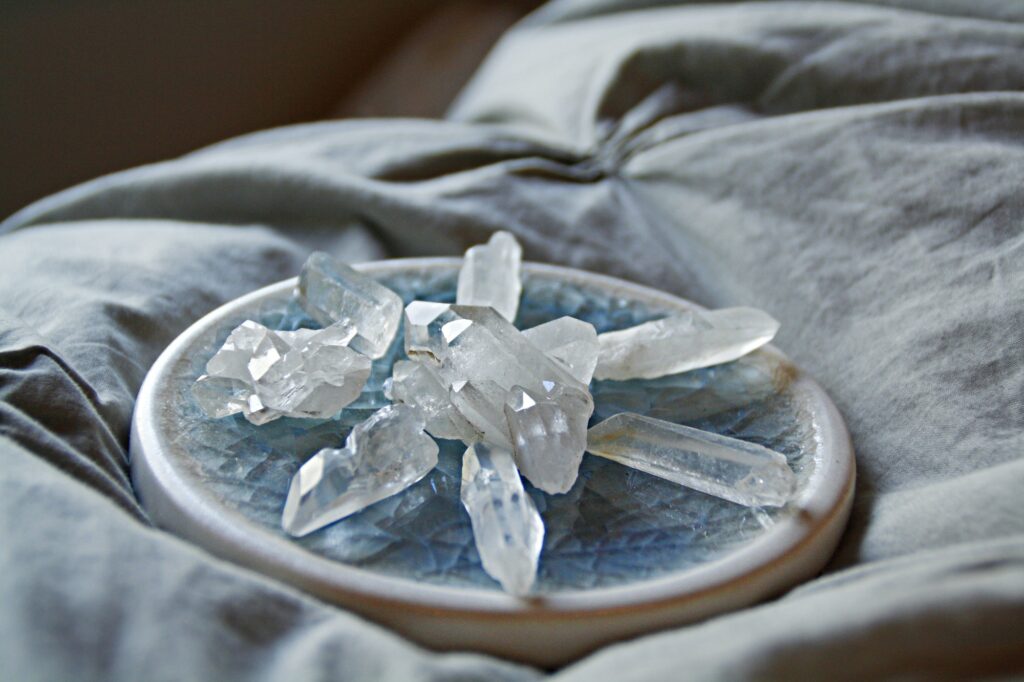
[90, 87]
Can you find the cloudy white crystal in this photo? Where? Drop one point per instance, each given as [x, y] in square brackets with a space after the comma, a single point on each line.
[490, 275]
[733, 469]
[549, 434]
[683, 342]
[507, 527]
[382, 456]
[266, 374]
[331, 292]
[569, 341]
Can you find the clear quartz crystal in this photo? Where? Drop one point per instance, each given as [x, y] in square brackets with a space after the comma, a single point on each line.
[382, 456]
[549, 434]
[507, 527]
[420, 385]
[331, 292]
[266, 374]
[490, 275]
[569, 341]
[683, 342]
[729, 468]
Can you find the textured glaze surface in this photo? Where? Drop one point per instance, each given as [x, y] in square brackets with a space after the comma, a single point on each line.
[616, 526]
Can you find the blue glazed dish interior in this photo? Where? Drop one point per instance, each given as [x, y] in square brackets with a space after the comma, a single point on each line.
[616, 526]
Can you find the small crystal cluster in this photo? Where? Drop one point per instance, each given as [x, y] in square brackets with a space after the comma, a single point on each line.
[518, 399]
[266, 374]
[507, 391]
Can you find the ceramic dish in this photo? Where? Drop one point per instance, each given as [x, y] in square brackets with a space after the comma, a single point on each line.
[624, 552]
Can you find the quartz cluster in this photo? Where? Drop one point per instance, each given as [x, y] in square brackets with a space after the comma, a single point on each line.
[501, 389]
[267, 374]
[519, 400]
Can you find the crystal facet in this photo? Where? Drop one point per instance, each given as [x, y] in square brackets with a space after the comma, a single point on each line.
[424, 341]
[683, 342]
[490, 275]
[266, 374]
[549, 434]
[331, 291]
[569, 341]
[507, 527]
[742, 472]
[382, 456]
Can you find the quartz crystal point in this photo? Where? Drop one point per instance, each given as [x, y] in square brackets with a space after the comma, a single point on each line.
[571, 342]
[419, 385]
[729, 468]
[683, 342]
[507, 527]
[331, 291]
[266, 374]
[382, 456]
[490, 275]
[549, 434]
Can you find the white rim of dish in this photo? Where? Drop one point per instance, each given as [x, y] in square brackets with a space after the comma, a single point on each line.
[177, 505]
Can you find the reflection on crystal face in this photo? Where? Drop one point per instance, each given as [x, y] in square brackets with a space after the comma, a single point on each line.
[615, 526]
[424, 340]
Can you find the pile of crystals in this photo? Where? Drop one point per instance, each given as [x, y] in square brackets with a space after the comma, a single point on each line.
[519, 400]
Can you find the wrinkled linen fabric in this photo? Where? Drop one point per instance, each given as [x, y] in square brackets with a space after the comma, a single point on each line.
[855, 169]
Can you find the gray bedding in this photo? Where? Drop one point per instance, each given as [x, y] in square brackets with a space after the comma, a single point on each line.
[856, 169]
